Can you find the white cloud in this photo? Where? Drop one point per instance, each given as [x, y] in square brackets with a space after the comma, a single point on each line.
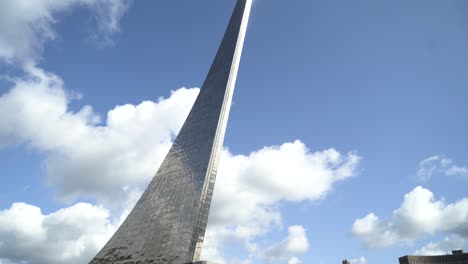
[25, 25]
[86, 158]
[109, 14]
[250, 188]
[439, 164]
[457, 171]
[443, 247]
[294, 260]
[289, 172]
[419, 214]
[428, 167]
[361, 260]
[295, 243]
[70, 235]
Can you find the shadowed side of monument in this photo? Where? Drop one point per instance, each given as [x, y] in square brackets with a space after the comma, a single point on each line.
[167, 225]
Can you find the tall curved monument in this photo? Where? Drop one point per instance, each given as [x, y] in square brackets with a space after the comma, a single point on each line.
[167, 225]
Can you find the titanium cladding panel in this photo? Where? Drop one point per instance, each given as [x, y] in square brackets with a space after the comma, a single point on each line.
[167, 225]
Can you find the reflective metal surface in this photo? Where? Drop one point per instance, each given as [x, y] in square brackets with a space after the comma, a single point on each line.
[167, 225]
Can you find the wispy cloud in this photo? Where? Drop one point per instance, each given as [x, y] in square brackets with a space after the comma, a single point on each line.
[439, 164]
[25, 26]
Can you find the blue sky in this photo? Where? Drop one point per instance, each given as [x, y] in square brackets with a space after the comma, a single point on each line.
[381, 83]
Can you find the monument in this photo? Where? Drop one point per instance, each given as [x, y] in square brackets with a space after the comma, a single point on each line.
[167, 225]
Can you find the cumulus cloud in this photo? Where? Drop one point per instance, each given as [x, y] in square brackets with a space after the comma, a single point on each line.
[295, 243]
[26, 25]
[84, 157]
[443, 247]
[250, 188]
[71, 235]
[294, 260]
[289, 172]
[439, 164]
[419, 214]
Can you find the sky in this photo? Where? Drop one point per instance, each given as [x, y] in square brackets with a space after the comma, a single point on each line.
[346, 138]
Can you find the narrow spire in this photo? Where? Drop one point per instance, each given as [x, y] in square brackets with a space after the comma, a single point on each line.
[167, 225]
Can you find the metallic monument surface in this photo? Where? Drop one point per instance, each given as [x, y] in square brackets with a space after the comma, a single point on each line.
[167, 225]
